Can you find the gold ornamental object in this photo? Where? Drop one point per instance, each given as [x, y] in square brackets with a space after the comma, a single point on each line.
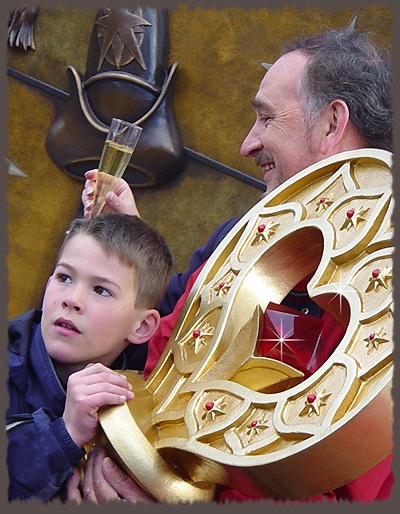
[215, 412]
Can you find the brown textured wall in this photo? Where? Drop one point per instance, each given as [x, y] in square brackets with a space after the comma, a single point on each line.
[219, 52]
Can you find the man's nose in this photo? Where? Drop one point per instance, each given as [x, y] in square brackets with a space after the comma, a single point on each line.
[252, 145]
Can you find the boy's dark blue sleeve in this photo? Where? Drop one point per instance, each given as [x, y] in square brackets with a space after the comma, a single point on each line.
[41, 456]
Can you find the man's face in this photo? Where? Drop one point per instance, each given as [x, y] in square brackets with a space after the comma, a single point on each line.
[88, 307]
[278, 140]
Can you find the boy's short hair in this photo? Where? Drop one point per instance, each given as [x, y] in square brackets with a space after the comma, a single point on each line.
[134, 243]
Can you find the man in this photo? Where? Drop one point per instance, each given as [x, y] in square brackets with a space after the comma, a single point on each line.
[325, 95]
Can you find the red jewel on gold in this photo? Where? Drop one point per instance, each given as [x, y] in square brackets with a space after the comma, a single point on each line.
[256, 426]
[265, 232]
[324, 203]
[314, 402]
[201, 336]
[375, 339]
[214, 409]
[354, 217]
[379, 278]
[220, 289]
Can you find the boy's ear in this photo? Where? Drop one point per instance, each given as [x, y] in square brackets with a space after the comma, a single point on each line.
[148, 326]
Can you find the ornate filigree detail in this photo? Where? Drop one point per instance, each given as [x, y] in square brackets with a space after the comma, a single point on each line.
[354, 217]
[375, 339]
[256, 426]
[221, 289]
[323, 203]
[201, 336]
[214, 409]
[265, 232]
[379, 279]
[314, 402]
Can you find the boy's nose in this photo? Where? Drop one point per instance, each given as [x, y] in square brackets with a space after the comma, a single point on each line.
[72, 301]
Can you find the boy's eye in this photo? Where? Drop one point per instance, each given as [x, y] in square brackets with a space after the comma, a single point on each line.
[62, 277]
[102, 291]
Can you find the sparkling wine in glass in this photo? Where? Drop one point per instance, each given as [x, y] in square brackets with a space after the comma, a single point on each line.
[118, 148]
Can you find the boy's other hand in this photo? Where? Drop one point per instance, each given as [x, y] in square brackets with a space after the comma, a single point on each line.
[87, 391]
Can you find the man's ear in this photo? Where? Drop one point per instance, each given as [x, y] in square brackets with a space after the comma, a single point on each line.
[148, 326]
[335, 122]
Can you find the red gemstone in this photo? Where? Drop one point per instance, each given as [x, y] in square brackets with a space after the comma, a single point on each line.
[372, 336]
[350, 213]
[322, 200]
[196, 333]
[254, 423]
[376, 273]
[209, 405]
[261, 228]
[221, 285]
[311, 398]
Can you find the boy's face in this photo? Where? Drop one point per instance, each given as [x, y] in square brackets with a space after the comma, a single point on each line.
[88, 306]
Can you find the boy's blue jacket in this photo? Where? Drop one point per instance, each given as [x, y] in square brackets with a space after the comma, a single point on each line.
[41, 453]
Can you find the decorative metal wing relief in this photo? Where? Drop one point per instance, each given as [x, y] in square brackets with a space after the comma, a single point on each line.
[21, 24]
[215, 411]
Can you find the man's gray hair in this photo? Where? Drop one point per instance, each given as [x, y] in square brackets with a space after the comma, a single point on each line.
[345, 65]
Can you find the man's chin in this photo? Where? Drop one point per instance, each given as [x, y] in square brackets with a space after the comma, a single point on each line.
[270, 185]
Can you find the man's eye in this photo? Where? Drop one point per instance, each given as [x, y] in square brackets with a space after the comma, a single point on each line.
[102, 291]
[265, 119]
[62, 277]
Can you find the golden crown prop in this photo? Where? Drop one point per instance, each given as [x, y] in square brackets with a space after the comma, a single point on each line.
[214, 412]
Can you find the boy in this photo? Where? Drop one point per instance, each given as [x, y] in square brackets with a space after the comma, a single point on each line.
[110, 276]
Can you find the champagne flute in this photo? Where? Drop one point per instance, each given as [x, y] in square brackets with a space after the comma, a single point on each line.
[118, 148]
